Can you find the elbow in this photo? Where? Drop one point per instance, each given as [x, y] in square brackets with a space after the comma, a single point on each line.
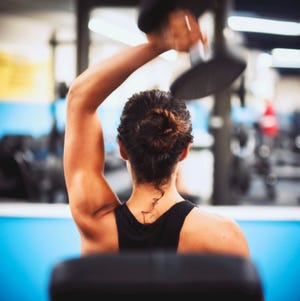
[76, 98]
[72, 101]
[82, 96]
[73, 93]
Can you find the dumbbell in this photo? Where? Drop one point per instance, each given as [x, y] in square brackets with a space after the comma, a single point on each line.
[206, 76]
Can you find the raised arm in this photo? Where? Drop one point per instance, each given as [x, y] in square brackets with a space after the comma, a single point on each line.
[89, 193]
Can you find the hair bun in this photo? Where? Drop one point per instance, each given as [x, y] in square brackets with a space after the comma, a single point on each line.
[158, 130]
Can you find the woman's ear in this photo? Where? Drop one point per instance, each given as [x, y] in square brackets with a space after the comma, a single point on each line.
[122, 150]
[185, 152]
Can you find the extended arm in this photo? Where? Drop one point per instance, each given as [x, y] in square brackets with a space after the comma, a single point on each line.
[89, 193]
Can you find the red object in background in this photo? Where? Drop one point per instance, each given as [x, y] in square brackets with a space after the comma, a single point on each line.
[268, 121]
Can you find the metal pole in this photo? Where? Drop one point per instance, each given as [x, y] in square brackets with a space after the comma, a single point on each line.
[82, 32]
[221, 118]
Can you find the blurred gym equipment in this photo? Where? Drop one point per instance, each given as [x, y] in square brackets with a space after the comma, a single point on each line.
[242, 147]
[30, 170]
[149, 275]
[208, 74]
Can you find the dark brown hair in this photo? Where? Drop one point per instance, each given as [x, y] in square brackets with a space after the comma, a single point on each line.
[154, 129]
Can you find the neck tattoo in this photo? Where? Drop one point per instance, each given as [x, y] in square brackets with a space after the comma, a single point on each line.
[150, 213]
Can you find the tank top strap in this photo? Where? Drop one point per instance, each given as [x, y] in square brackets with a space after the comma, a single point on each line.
[177, 218]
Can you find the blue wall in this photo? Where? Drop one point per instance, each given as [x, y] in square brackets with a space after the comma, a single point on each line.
[36, 119]
[25, 119]
[30, 246]
[275, 248]
[31, 118]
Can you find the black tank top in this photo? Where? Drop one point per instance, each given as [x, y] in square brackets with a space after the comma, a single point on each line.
[161, 234]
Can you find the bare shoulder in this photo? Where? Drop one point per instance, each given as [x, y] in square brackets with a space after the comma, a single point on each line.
[204, 231]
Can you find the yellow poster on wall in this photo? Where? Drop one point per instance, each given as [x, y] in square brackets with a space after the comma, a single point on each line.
[25, 77]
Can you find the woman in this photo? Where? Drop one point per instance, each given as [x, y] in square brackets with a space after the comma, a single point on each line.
[154, 135]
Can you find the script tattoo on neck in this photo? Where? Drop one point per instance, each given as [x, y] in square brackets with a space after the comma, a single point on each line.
[150, 213]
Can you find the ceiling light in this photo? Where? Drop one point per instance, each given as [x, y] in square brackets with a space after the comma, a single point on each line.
[290, 56]
[280, 58]
[260, 25]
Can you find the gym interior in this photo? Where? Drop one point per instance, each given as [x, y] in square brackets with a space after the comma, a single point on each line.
[244, 161]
